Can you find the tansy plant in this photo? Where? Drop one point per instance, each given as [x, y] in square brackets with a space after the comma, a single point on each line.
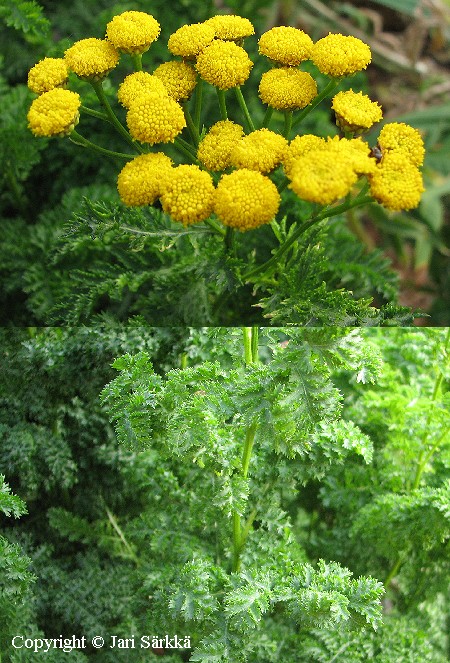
[238, 173]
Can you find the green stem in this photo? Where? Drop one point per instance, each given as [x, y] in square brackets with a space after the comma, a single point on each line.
[267, 117]
[325, 214]
[99, 91]
[198, 103]
[78, 139]
[186, 149]
[244, 109]
[229, 239]
[281, 187]
[330, 87]
[287, 124]
[248, 447]
[137, 61]
[216, 226]
[393, 572]
[222, 104]
[190, 125]
[94, 113]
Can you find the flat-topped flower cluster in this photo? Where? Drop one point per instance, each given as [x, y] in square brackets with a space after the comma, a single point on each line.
[230, 166]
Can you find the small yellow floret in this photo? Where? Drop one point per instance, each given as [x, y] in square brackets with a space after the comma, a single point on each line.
[396, 183]
[178, 78]
[398, 136]
[155, 119]
[246, 199]
[190, 40]
[299, 146]
[261, 150]
[138, 83]
[92, 58]
[142, 180]
[188, 195]
[224, 64]
[230, 27]
[54, 113]
[215, 149]
[337, 55]
[286, 45]
[287, 88]
[355, 112]
[355, 151]
[133, 32]
[48, 74]
[321, 176]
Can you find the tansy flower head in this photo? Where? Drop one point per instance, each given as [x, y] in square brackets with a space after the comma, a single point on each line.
[286, 45]
[215, 149]
[262, 150]
[155, 119]
[48, 74]
[396, 183]
[190, 40]
[224, 64]
[188, 195]
[246, 199]
[301, 145]
[133, 32]
[397, 136]
[230, 27]
[354, 150]
[321, 177]
[92, 58]
[355, 112]
[138, 83]
[54, 113]
[142, 180]
[337, 55]
[287, 88]
[178, 78]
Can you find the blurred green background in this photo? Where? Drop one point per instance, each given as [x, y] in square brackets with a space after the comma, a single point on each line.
[43, 181]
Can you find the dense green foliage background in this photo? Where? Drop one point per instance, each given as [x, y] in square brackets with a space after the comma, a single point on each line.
[70, 250]
[350, 466]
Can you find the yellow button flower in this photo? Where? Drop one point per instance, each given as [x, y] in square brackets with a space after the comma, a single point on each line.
[48, 74]
[190, 40]
[230, 27]
[398, 136]
[396, 183]
[155, 119]
[261, 150]
[188, 195]
[246, 199]
[355, 151]
[322, 176]
[178, 78]
[355, 112]
[138, 83]
[224, 64]
[54, 113]
[287, 88]
[142, 180]
[133, 32]
[337, 55]
[298, 146]
[91, 59]
[286, 45]
[215, 149]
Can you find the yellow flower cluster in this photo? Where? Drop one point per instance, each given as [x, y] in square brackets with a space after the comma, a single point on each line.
[286, 45]
[48, 74]
[355, 112]
[398, 136]
[300, 146]
[214, 151]
[337, 55]
[142, 180]
[224, 64]
[92, 58]
[190, 40]
[153, 118]
[179, 79]
[246, 199]
[133, 32]
[134, 85]
[188, 196]
[230, 27]
[287, 88]
[54, 113]
[262, 150]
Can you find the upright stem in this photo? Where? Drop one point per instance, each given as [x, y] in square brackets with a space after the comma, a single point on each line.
[99, 91]
[267, 117]
[250, 337]
[191, 126]
[78, 139]
[287, 124]
[198, 103]
[244, 109]
[328, 89]
[137, 61]
[222, 104]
